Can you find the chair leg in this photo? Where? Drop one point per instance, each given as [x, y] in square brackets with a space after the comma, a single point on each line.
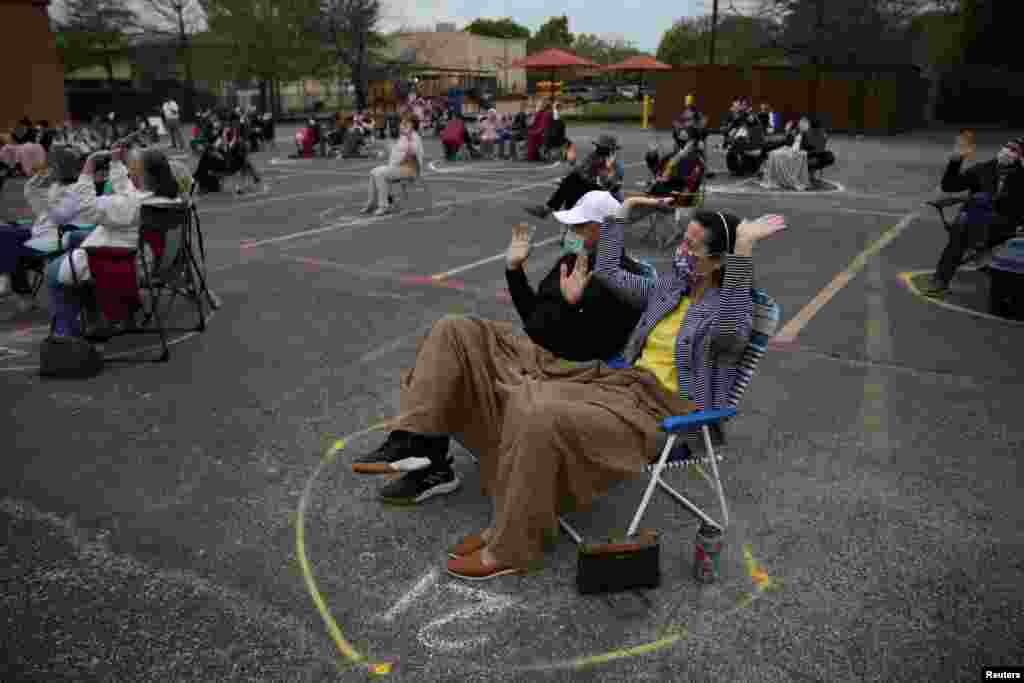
[655, 478]
[714, 470]
[569, 529]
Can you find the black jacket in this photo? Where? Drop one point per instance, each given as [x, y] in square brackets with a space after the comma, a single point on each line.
[984, 177]
[595, 329]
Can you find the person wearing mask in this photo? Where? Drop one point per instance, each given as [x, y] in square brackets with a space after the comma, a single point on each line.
[994, 208]
[406, 161]
[551, 439]
[596, 172]
[572, 325]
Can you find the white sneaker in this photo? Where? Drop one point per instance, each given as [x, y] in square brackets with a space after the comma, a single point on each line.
[366, 209]
[384, 210]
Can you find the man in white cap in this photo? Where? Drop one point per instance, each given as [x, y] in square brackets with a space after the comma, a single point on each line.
[570, 318]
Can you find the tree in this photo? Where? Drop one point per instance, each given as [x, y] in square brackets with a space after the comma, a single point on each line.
[95, 33]
[740, 40]
[604, 50]
[179, 19]
[684, 43]
[347, 28]
[498, 28]
[260, 40]
[552, 33]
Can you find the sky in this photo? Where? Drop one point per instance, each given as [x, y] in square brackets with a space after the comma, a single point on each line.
[642, 22]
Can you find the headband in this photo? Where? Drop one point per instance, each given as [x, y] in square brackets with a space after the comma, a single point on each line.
[728, 237]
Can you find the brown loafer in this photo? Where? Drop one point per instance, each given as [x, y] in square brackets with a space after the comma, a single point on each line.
[472, 568]
[467, 546]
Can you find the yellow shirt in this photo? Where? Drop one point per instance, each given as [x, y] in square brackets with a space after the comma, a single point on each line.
[659, 352]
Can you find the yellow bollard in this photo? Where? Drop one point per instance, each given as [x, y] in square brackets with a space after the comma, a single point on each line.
[648, 107]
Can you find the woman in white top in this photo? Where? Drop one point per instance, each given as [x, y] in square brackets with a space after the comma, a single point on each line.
[58, 196]
[147, 179]
[406, 162]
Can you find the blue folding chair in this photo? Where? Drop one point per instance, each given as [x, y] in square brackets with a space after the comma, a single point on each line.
[677, 453]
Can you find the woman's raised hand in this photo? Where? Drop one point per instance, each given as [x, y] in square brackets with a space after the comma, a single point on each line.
[750, 232]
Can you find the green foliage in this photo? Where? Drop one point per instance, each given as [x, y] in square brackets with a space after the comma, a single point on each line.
[498, 28]
[95, 33]
[739, 40]
[552, 33]
[610, 112]
[260, 40]
[603, 50]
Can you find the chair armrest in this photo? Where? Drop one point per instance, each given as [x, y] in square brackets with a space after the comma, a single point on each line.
[617, 363]
[682, 423]
[946, 202]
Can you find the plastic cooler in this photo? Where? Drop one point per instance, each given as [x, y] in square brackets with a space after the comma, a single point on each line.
[1006, 288]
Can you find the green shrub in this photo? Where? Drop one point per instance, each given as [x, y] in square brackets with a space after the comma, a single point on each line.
[600, 111]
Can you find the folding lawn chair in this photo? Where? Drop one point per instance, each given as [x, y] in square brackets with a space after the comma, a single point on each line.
[169, 269]
[677, 453]
[413, 181]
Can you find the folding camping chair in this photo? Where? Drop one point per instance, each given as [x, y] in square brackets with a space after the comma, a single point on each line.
[170, 269]
[979, 248]
[413, 181]
[677, 453]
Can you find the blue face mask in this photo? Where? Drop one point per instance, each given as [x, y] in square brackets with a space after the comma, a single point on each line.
[573, 243]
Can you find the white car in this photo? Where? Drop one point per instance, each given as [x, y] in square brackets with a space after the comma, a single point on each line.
[628, 91]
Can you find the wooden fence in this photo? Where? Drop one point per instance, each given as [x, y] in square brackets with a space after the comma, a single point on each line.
[876, 100]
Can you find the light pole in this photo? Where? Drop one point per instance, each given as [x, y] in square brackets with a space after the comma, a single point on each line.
[714, 28]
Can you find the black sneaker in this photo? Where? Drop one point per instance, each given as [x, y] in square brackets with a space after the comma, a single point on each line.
[401, 452]
[540, 211]
[416, 487]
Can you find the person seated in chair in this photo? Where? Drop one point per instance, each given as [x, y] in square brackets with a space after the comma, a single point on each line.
[555, 139]
[586, 326]
[788, 167]
[994, 208]
[745, 145]
[489, 134]
[58, 196]
[551, 439]
[596, 172]
[454, 137]
[538, 131]
[682, 171]
[406, 162]
[147, 179]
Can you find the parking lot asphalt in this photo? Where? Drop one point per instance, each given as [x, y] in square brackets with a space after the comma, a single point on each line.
[184, 521]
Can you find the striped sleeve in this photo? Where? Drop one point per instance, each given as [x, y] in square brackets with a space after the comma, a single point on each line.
[736, 308]
[634, 289]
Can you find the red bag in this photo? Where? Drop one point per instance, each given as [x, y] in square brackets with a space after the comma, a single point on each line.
[117, 289]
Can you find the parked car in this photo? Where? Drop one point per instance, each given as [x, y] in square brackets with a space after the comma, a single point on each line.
[581, 93]
[630, 92]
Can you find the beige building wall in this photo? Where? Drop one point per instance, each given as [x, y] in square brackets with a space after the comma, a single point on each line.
[461, 50]
[30, 67]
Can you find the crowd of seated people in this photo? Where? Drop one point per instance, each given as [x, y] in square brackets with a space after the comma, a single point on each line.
[994, 208]
[223, 148]
[552, 435]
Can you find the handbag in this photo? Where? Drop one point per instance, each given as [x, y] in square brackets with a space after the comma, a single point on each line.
[619, 566]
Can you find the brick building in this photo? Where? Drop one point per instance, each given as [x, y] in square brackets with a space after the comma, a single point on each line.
[30, 66]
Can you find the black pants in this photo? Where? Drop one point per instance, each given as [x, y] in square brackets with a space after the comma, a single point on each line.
[963, 235]
[569, 191]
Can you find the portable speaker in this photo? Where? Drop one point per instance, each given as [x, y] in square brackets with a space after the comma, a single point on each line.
[615, 567]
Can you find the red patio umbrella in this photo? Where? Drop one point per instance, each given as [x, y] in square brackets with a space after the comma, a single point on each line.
[640, 64]
[553, 60]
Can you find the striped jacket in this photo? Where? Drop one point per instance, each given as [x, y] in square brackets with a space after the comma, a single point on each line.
[714, 332]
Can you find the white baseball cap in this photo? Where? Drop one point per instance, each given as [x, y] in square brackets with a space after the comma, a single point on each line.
[593, 207]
